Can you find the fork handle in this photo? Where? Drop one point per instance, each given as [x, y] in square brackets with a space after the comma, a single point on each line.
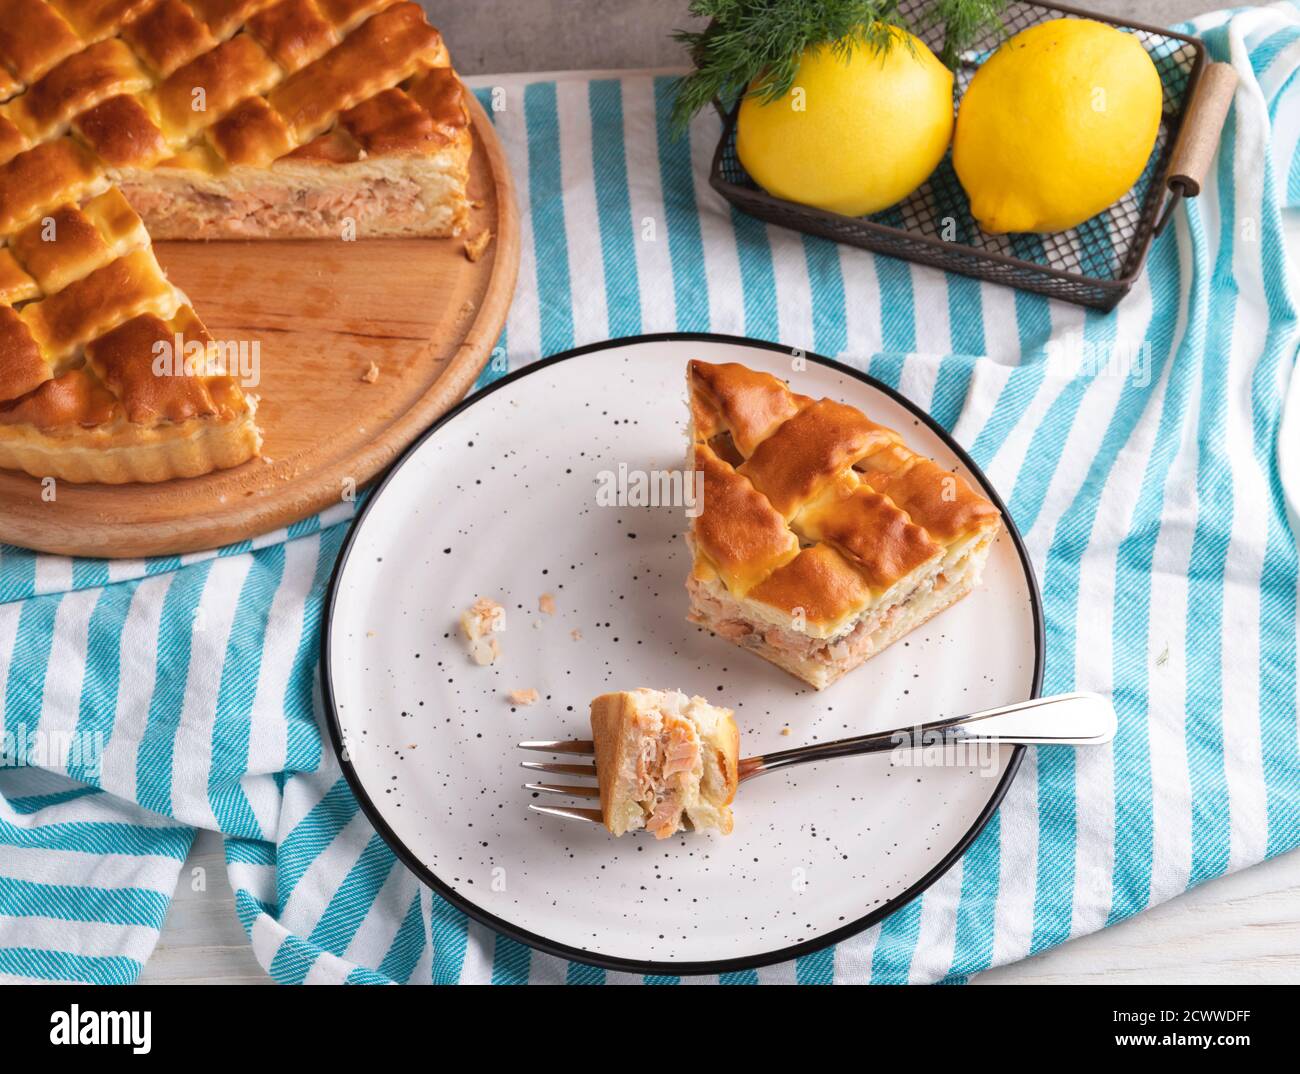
[1080, 719]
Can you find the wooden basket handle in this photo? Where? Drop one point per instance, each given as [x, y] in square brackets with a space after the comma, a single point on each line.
[1199, 136]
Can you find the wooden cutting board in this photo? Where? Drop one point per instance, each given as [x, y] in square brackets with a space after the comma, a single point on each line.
[321, 312]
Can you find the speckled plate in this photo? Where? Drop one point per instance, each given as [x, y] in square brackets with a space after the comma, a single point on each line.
[501, 498]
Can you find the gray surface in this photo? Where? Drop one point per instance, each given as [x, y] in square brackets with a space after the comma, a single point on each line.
[497, 36]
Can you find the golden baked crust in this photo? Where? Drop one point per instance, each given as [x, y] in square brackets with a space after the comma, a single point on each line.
[114, 419]
[16, 283]
[63, 323]
[123, 133]
[80, 397]
[739, 402]
[167, 36]
[71, 242]
[386, 49]
[99, 91]
[43, 177]
[208, 119]
[745, 535]
[33, 38]
[76, 85]
[23, 368]
[819, 527]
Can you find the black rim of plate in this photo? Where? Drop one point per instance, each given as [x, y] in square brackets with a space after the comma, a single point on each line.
[610, 962]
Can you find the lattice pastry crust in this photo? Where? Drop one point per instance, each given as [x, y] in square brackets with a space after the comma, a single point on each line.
[190, 119]
[822, 538]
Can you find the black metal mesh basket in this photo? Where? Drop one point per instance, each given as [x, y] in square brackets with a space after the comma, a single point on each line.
[1093, 264]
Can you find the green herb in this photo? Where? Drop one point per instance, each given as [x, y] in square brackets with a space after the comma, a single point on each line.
[753, 47]
[963, 22]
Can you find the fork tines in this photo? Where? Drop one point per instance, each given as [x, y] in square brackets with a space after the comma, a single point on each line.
[555, 788]
[572, 746]
[558, 769]
[592, 816]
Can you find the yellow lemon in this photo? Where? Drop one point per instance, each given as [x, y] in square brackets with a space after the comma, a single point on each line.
[852, 135]
[1056, 126]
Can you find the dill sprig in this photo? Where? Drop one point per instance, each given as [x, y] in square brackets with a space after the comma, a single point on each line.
[963, 21]
[753, 46]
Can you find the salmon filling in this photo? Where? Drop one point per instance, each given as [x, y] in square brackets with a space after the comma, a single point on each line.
[665, 762]
[668, 771]
[258, 213]
[822, 660]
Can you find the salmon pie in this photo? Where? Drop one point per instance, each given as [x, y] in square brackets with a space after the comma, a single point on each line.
[664, 762]
[823, 537]
[190, 119]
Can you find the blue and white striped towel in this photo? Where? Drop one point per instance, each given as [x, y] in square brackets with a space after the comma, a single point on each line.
[1155, 509]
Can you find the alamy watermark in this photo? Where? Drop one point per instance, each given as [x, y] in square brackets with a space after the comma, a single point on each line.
[79, 752]
[626, 487]
[934, 749]
[181, 357]
[1073, 356]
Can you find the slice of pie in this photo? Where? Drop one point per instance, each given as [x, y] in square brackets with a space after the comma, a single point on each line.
[108, 375]
[190, 119]
[822, 537]
[664, 761]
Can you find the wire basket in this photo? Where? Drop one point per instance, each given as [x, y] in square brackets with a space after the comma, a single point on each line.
[1093, 264]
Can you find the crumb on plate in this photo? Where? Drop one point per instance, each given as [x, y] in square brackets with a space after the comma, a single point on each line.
[484, 618]
[524, 697]
[476, 246]
[546, 604]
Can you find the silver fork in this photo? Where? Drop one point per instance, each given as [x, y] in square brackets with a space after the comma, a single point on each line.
[1080, 719]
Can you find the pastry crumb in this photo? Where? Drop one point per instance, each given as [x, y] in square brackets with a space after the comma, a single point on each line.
[785, 731]
[524, 697]
[484, 619]
[575, 634]
[477, 246]
[546, 604]
[371, 374]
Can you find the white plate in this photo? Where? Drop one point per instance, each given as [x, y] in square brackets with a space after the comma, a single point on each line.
[500, 499]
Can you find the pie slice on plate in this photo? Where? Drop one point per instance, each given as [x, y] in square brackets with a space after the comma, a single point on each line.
[190, 119]
[822, 537]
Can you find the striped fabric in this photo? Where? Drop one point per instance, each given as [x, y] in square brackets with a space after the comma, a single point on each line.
[1152, 493]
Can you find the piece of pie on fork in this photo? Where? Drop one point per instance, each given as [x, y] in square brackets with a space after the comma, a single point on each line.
[190, 119]
[664, 761]
[822, 537]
